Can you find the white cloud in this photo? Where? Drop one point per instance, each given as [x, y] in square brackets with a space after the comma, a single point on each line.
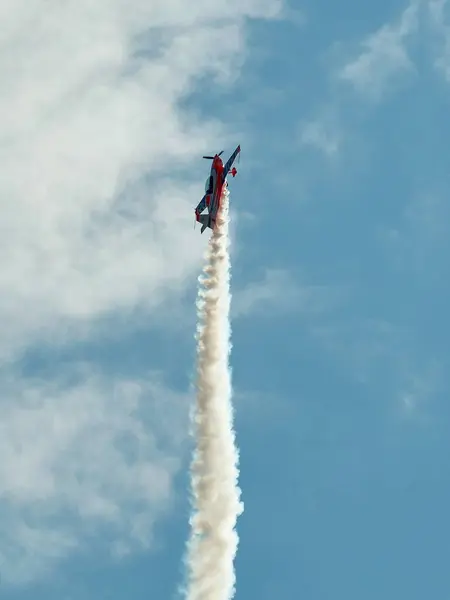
[90, 106]
[386, 358]
[96, 219]
[321, 134]
[279, 292]
[419, 243]
[424, 383]
[439, 22]
[361, 345]
[384, 56]
[86, 461]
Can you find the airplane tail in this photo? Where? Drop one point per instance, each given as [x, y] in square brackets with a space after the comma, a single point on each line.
[205, 220]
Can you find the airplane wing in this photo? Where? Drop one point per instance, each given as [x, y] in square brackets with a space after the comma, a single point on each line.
[201, 205]
[230, 161]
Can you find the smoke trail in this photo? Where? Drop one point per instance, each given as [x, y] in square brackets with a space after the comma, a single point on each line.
[214, 471]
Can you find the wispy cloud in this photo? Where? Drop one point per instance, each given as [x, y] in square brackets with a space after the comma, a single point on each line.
[92, 121]
[90, 116]
[441, 28]
[82, 456]
[384, 56]
[422, 384]
[278, 292]
[361, 345]
[321, 134]
[420, 242]
[385, 356]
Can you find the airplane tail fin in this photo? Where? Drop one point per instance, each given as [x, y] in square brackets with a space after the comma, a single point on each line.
[205, 220]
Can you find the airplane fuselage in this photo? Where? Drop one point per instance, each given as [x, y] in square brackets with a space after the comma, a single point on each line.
[214, 188]
[215, 194]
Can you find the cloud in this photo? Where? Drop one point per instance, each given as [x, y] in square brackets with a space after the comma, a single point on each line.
[363, 345]
[96, 205]
[90, 121]
[386, 357]
[384, 56]
[419, 243]
[441, 29]
[320, 134]
[279, 292]
[422, 384]
[87, 463]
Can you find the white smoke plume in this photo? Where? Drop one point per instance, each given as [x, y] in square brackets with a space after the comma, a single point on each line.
[216, 495]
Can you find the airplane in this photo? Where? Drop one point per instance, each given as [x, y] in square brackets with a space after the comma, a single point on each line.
[213, 189]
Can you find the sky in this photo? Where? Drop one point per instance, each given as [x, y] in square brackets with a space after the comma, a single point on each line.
[339, 218]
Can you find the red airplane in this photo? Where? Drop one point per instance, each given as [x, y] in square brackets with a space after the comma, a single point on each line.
[213, 189]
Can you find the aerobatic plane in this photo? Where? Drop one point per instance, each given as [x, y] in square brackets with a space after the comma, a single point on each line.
[213, 189]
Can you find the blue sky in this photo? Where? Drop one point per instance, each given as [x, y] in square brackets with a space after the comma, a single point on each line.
[340, 286]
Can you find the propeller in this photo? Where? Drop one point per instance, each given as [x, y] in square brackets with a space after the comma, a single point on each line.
[212, 157]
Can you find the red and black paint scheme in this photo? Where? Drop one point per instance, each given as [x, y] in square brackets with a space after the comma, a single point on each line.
[213, 189]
